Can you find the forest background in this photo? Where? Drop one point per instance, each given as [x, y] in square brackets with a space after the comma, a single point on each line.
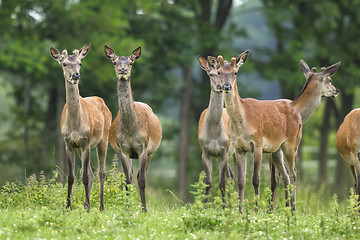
[168, 77]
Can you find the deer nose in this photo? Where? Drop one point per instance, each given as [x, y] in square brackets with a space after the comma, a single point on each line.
[337, 91]
[76, 76]
[219, 86]
[123, 70]
[227, 87]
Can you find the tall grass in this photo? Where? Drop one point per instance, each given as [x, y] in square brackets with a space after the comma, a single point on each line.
[36, 209]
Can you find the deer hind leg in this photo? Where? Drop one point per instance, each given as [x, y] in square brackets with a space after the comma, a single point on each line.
[240, 160]
[101, 154]
[357, 175]
[208, 170]
[87, 175]
[70, 156]
[279, 168]
[144, 161]
[256, 176]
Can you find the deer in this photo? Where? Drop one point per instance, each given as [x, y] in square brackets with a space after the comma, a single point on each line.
[136, 131]
[84, 124]
[348, 145]
[317, 86]
[270, 126]
[214, 128]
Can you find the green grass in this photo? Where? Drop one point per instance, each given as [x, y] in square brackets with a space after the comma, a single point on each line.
[36, 210]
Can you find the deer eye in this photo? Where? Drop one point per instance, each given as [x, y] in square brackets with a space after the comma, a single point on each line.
[64, 64]
[114, 63]
[218, 73]
[131, 63]
[235, 73]
[80, 64]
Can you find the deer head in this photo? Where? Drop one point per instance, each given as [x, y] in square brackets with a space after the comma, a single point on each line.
[228, 70]
[71, 63]
[122, 64]
[210, 66]
[320, 81]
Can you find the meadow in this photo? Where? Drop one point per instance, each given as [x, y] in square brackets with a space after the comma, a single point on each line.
[36, 209]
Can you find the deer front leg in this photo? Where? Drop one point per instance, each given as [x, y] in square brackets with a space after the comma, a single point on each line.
[274, 181]
[128, 171]
[208, 169]
[256, 176]
[143, 165]
[240, 160]
[87, 175]
[290, 158]
[223, 170]
[101, 152]
[70, 156]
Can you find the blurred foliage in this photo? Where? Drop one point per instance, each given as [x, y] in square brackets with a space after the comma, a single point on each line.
[172, 34]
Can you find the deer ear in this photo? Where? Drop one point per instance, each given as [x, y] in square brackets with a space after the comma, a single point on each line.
[203, 63]
[304, 68]
[84, 50]
[213, 62]
[109, 53]
[329, 71]
[56, 54]
[135, 54]
[241, 59]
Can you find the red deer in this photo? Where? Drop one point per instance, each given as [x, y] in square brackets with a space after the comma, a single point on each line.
[317, 85]
[348, 145]
[136, 130]
[85, 123]
[214, 127]
[271, 126]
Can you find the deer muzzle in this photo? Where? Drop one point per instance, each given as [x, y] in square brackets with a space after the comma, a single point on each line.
[227, 87]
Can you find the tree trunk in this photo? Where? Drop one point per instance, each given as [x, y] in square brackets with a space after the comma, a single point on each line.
[184, 131]
[27, 99]
[324, 136]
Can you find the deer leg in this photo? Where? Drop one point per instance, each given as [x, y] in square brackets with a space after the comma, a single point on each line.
[279, 167]
[223, 169]
[101, 154]
[256, 175]
[357, 174]
[229, 172]
[290, 158]
[144, 161]
[274, 180]
[240, 160]
[87, 175]
[208, 169]
[70, 156]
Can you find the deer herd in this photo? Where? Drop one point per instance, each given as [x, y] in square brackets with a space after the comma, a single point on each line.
[230, 126]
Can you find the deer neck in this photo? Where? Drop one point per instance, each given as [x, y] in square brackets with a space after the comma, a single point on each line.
[73, 106]
[234, 108]
[306, 103]
[215, 108]
[128, 115]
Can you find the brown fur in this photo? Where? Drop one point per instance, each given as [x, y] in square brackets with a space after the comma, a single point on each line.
[214, 128]
[85, 123]
[260, 126]
[317, 85]
[348, 144]
[136, 130]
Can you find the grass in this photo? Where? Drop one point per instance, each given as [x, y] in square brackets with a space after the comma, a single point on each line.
[36, 210]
